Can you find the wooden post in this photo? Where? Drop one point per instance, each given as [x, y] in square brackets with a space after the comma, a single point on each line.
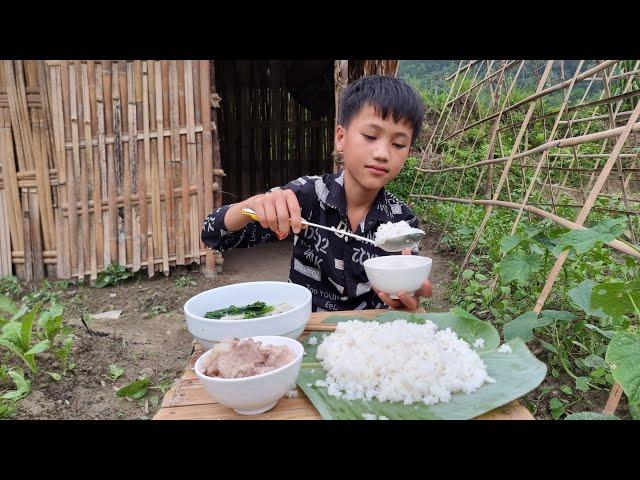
[341, 78]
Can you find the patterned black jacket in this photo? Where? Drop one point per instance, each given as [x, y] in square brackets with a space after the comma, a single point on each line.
[330, 266]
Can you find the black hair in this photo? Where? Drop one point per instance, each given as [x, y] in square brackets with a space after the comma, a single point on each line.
[389, 96]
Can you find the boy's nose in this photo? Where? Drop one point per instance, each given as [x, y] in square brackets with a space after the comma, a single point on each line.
[381, 153]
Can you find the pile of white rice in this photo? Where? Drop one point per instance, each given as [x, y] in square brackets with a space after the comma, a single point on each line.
[389, 230]
[399, 362]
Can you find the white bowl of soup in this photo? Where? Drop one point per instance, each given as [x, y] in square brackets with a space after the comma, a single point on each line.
[289, 305]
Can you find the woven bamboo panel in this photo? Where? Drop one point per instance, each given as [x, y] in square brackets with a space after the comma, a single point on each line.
[105, 161]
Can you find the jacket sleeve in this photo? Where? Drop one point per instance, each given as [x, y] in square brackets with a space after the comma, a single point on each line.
[215, 236]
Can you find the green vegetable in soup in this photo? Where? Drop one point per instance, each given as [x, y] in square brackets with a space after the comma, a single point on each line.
[254, 310]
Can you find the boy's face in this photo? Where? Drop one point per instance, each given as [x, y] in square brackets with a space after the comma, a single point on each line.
[374, 149]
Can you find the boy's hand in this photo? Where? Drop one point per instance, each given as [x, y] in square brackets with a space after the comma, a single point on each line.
[406, 301]
[275, 209]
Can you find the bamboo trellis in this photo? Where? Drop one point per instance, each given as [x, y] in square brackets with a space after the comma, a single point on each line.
[595, 119]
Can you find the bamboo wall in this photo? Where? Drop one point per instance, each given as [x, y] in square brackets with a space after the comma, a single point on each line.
[77, 193]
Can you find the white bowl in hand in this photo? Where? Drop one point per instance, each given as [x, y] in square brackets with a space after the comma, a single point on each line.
[398, 273]
[259, 393]
[291, 323]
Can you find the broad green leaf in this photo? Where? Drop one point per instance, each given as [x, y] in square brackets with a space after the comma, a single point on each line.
[623, 356]
[557, 408]
[521, 326]
[594, 361]
[582, 384]
[23, 387]
[581, 297]
[467, 274]
[55, 376]
[581, 241]
[7, 410]
[606, 333]
[7, 305]
[557, 315]
[15, 348]
[11, 333]
[516, 374]
[114, 372]
[617, 298]
[634, 411]
[27, 324]
[39, 347]
[136, 390]
[518, 266]
[509, 242]
[590, 416]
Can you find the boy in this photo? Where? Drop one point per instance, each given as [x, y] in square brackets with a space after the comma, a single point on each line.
[379, 119]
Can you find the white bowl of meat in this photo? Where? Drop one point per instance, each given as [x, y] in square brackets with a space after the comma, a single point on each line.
[398, 273]
[248, 309]
[252, 374]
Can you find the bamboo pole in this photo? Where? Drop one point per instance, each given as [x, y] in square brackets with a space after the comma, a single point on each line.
[7, 162]
[162, 161]
[89, 235]
[616, 244]
[176, 156]
[195, 176]
[207, 154]
[341, 79]
[150, 230]
[611, 133]
[102, 154]
[131, 174]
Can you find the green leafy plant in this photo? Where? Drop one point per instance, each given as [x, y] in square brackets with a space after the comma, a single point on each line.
[17, 335]
[156, 310]
[112, 275]
[185, 282]
[136, 389]
[10, 286]
[23, 386]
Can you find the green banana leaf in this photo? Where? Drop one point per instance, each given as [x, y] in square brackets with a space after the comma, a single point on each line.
[516, 374]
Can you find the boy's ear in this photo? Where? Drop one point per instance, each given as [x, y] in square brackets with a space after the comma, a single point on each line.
[340, 132]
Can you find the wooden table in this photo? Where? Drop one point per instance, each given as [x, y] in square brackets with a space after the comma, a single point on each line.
[188, 400]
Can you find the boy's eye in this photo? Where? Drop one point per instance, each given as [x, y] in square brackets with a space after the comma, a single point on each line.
[399, 145]
[368, 137]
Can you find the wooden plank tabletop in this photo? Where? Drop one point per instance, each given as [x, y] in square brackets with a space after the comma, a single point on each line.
[188, 400]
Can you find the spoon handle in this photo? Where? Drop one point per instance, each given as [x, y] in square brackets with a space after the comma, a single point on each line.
[250, 213]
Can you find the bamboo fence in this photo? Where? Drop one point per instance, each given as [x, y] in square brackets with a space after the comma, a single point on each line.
[106, 161]
[564, 174]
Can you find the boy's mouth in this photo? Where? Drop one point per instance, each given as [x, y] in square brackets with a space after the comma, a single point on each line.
[377, 169]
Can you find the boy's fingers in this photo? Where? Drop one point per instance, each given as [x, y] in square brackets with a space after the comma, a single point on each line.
[270, 215]
[388, 300]
[406, 251]
[409, 301]
[426, 290]
[262, 217]
[282, 212]
[294, 211]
